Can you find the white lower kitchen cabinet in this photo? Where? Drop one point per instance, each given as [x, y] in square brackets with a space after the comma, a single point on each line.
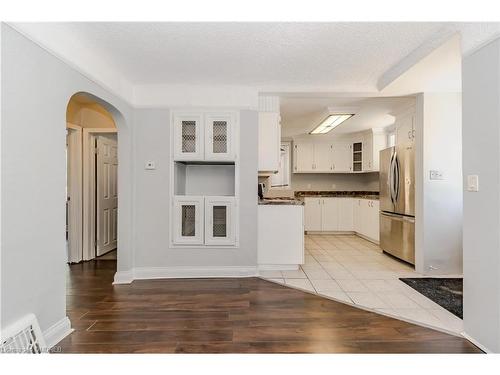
[220, 218]
[188, 220]
[312, 214]
[366, 218]
[346, 214]
[332, 214]
[280, 237]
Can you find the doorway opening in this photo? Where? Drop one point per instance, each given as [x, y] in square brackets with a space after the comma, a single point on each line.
[92, 181]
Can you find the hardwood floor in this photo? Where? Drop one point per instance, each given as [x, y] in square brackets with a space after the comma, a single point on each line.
[247, 315]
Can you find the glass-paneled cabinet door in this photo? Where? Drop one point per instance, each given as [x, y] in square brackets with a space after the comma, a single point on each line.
[220, 221]
[188, 136]
[220, 131]
[188, 220]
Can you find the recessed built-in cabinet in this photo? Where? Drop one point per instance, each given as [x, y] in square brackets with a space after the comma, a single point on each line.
[204, 172]
[331, 214]
[204, 136]
[356, 153]
[205, 220]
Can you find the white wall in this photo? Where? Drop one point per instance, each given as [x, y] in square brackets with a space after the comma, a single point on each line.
[153, 256]
[438, 203]
[481, 227]
[36, 88]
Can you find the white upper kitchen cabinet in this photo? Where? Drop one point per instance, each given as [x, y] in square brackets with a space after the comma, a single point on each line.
[330, 214]
[303, 157]
[323, 158]
[189, 136]
[341, 157]
[220, 129]
[269, 142]
[405, 127]
[312, 157]
[374, 141]
[312, 214]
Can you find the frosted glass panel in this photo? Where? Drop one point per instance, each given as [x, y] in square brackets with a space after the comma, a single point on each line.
[188, 220]
[219, 221]
[219, 137]
[188, 136]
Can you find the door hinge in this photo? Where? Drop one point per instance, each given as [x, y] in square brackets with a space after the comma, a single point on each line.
[96, 150]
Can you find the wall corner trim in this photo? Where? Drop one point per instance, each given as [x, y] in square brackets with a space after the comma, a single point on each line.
[123, 277]
[475, 342]
[57, 332]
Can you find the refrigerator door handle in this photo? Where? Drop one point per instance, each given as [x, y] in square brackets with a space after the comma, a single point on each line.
[397, 188]
[392, 178]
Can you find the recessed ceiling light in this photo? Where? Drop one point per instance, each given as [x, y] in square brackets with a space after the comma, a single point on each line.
[331, 122]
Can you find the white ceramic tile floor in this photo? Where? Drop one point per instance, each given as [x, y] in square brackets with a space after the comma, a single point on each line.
[352, 270]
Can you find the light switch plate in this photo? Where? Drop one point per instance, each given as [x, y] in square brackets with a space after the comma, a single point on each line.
[473, 182]
[436, 175]
[150, 165]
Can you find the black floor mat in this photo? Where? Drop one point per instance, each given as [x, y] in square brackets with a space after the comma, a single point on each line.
[447, 293]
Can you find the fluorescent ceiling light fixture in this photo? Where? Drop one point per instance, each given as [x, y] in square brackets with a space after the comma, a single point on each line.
[331, 122]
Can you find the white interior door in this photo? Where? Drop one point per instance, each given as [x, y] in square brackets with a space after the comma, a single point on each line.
[73, 195]
[107, 193]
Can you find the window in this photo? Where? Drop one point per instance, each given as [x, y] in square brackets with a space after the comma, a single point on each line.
[282, 178]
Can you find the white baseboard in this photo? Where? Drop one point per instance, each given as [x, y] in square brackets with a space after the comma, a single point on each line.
[123, 277]
[480, 346]
[278, 267]
[144, 273]
[57, 332]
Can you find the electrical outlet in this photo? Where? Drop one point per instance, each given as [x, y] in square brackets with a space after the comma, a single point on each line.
[308, 186]
[334, 186]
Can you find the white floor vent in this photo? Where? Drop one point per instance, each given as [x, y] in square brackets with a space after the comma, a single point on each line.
[24, 336]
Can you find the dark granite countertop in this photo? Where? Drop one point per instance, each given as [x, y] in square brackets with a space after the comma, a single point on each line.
[281, 201]
[338, 194]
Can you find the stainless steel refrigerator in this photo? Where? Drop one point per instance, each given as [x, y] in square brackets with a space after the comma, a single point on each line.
[397, 202]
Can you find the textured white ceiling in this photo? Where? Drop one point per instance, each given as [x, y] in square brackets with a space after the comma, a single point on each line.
[299, 115]
[279, 57]
[340, 55]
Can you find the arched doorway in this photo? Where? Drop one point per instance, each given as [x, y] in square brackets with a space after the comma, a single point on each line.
[92, 179]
